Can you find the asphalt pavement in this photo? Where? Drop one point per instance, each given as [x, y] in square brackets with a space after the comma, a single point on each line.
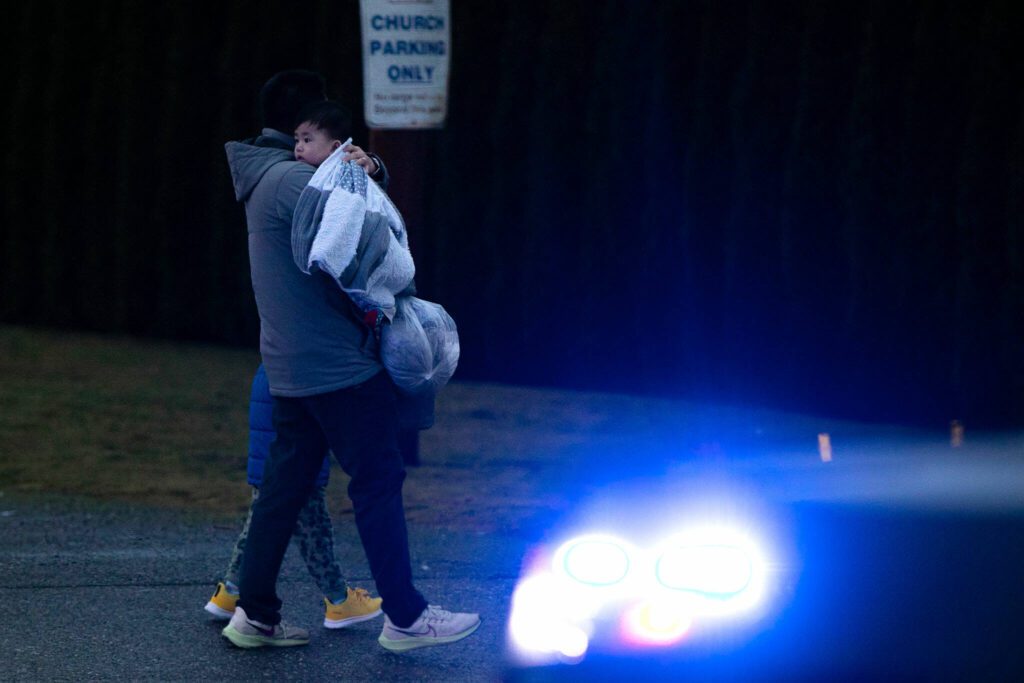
[899, 557]
[109, 592]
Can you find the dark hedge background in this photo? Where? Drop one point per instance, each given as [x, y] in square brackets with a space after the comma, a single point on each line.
[802, 204]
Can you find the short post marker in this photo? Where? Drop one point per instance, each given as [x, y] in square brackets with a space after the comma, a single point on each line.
[956, 434]
[825, 447]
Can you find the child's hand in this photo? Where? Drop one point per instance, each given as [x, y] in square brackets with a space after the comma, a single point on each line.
[356, 154]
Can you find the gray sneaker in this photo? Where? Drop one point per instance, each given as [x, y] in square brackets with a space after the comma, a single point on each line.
[244, 632]
[434, 627]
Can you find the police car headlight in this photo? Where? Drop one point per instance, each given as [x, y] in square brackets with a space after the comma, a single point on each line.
[597, 561]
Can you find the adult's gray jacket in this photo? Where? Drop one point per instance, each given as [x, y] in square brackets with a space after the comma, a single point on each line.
[311, 336]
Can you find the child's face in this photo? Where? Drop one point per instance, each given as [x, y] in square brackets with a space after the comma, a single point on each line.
[312, 144]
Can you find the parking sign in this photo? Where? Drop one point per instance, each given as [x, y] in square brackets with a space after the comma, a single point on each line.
[406, 46]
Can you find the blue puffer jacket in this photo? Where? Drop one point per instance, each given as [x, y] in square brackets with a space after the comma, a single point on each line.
[261, 431]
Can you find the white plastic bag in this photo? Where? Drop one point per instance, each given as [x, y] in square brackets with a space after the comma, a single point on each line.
[420, 348]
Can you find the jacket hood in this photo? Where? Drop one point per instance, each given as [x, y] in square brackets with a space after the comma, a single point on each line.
[249, 161]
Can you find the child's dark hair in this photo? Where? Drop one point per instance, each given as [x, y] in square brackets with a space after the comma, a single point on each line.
[328, 116]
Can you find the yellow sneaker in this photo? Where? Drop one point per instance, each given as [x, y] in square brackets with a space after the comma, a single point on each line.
[357, 606]
[222, 604]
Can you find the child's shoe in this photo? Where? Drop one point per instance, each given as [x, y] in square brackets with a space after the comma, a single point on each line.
[222, 604]
[357, 606]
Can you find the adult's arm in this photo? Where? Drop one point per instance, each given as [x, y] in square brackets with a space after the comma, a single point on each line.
[381, 175]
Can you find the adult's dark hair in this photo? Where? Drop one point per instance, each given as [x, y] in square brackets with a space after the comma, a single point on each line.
[286, 93]
[328, 116]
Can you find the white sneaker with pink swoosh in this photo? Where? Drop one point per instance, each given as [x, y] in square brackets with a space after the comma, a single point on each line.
[246, 632]
[434, 626]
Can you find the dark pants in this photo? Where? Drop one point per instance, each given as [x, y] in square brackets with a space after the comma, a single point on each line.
[409, 446]
[359, 424]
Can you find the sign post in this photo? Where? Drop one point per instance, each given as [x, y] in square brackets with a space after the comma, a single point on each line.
[406, 48]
